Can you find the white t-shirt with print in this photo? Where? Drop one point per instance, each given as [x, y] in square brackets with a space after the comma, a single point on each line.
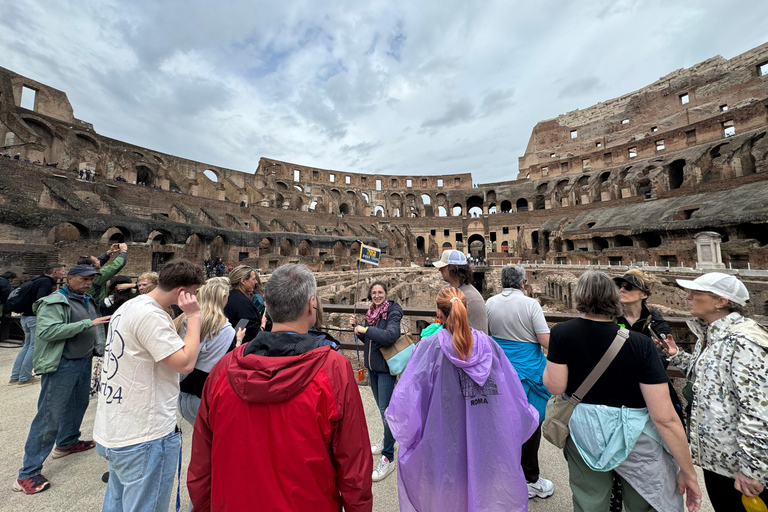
[137, 397]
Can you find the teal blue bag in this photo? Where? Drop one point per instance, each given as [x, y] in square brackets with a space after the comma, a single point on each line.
[397, 355]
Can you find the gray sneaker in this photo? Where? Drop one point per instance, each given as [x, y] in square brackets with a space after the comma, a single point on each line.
[32, 380]
[543, 488]
[384, 468]
[377, 448]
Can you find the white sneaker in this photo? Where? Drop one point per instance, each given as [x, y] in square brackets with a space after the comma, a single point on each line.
[377, 448]
[384, 468]
[543, 488]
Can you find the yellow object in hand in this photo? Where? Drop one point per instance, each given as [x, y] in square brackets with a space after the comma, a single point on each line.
[753, 504]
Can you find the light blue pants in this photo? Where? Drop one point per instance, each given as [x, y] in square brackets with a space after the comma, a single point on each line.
[22, 367]
[141, 475]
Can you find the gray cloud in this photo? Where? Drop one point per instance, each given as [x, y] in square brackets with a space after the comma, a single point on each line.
[404, 87]
[580, 87]
[456, 112]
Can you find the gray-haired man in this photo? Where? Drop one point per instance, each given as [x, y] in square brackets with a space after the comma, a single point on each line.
[301, 397]
[517, 324]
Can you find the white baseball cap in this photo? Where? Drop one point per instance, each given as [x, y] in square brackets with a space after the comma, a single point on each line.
[452, 257]
[722, 285]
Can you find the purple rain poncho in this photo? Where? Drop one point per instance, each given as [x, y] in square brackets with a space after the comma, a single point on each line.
[460, 425]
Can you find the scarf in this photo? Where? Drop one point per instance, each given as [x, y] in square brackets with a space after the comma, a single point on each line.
[374, 313]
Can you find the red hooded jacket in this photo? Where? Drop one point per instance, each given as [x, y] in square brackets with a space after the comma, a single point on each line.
[281, 434]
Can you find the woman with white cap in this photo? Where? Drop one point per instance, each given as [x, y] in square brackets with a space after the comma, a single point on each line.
[728, 376]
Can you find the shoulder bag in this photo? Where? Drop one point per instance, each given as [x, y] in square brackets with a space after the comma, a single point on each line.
[555, 427]
[397, 355]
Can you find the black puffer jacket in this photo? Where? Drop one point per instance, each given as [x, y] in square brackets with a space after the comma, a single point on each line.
[384, 334]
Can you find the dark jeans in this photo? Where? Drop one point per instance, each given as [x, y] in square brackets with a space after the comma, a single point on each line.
[60, 410]
[530, 457]
[382, 385]
[723, 495]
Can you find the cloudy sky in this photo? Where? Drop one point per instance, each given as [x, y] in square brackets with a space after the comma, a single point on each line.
[426, 87]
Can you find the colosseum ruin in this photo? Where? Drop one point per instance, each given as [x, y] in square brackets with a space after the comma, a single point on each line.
[630, 181]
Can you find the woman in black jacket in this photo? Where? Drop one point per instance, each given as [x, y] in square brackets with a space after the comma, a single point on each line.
[381, 329]
[634, 289]
[240, 306]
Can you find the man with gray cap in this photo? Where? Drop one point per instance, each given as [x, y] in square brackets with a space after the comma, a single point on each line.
[64, 345]
[455, 269]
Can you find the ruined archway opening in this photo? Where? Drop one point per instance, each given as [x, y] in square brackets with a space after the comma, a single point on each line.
[650, 240]
[457, 210]
[344, 209]
[420, 245]
[623, 241]
[676, 174]
[145, 176]
[67, 232]
[266, 246]
[476, 245]
[599, 243]
[447, 246]
[305, 249]
[219, 249]
[522, 205]
[538, 202]
[286, 248]
[506, 206]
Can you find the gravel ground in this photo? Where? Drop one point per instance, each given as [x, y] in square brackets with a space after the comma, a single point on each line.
[76, 480]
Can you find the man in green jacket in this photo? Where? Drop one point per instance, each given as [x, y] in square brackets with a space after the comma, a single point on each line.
[64, 344]
[99, 288]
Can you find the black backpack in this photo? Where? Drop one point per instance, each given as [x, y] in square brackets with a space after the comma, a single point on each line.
[22, 298]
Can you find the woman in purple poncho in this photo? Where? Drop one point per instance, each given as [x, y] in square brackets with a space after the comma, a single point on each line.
[460, 415]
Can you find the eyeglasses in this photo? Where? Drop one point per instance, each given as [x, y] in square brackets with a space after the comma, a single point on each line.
[628, 287]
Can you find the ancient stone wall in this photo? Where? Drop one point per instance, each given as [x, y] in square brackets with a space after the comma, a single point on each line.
[698, 162]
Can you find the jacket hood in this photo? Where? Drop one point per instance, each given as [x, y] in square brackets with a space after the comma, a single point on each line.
[268, 379]
[57, 297]
[478, 366]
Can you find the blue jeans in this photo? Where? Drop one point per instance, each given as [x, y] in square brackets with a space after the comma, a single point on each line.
[60, 410]
[382, 385]
[22, 367]
[188, 406]
[141, 475]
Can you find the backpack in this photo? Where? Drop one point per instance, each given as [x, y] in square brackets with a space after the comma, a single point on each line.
[22, 298]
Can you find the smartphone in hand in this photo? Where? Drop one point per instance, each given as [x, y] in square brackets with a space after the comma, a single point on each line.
[658, 339]
[241, 324]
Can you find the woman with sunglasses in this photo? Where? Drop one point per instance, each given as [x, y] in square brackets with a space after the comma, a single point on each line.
[634, 289]
[728, 424]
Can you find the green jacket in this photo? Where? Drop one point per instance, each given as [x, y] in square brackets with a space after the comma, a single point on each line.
[98, 289]
[54, 329]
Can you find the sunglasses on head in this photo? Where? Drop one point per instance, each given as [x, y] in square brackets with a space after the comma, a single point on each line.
[627, 286]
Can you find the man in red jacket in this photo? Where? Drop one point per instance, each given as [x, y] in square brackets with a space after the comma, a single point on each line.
[281, 424]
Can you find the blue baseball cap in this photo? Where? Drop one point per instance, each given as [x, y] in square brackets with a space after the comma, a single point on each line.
[83, 270]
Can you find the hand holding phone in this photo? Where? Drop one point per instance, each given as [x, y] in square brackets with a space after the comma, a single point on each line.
[241, 324]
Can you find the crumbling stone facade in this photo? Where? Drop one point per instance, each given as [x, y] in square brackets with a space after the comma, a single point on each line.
[629, 180]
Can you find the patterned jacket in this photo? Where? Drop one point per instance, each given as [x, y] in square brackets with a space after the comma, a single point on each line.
[729, 417]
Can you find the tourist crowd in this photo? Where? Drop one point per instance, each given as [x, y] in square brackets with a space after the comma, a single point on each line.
[278, 418]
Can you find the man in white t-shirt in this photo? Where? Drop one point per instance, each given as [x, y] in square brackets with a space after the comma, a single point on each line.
[135, 427]
[518, 325]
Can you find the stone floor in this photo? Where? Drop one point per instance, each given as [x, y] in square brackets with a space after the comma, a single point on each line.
[76, 480]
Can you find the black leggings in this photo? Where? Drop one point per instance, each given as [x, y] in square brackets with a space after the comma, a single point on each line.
[723, 495]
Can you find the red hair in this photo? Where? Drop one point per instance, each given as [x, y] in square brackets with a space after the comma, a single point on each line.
[452, 302]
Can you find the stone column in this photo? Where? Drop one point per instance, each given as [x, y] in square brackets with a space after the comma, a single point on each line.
[708, 252]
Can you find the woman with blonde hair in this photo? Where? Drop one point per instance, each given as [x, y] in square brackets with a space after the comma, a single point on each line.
[147, 282]
[216, 335]
[461, 416]
[243, 282]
